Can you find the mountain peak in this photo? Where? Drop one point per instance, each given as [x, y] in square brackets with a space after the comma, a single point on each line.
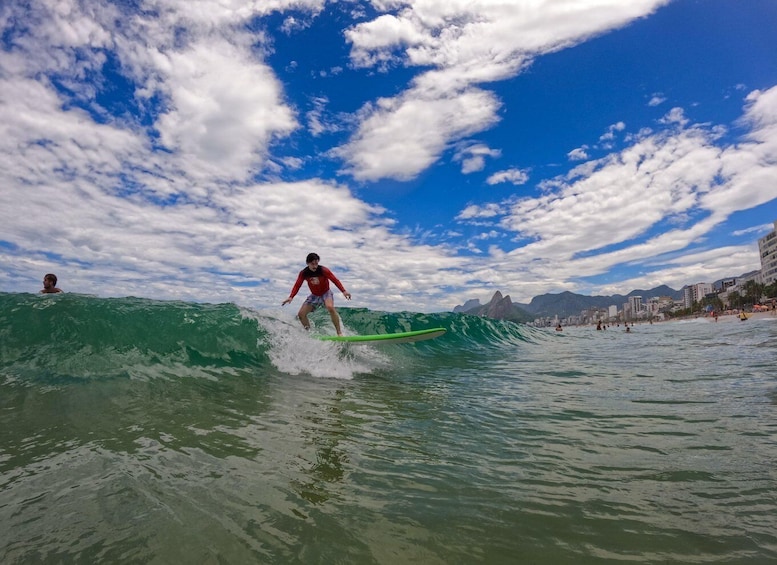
[499, 308]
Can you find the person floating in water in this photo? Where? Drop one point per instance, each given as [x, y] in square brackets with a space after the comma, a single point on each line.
[50, 284]
[559, 328]
[317, 277]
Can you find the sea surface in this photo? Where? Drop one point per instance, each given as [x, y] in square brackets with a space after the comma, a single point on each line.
[142, 431]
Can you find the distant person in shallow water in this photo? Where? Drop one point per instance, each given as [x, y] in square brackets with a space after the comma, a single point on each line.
[559, 328]
[50, 284]
[318, 277]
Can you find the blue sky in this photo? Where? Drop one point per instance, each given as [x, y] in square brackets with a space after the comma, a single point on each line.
[430, 151]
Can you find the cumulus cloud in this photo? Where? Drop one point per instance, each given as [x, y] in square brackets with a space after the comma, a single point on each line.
[657, 99]
[224, 108]
[607, 139]
[578, 154]
[398, 137]
[513, 176]
[679, 271]
[474, 211]
[473, 157]
[674, 116]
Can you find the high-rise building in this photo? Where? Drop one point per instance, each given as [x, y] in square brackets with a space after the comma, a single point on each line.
[695, 292]
[767, 246]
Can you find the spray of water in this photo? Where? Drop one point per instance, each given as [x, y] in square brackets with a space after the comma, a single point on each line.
[294, 351]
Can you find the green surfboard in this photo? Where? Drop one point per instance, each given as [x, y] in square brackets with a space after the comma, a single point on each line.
[399, 337]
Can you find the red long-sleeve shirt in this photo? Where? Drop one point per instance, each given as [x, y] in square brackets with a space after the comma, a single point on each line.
[317, 280]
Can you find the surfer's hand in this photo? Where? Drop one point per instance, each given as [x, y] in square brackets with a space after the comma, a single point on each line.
[285, 302]
[347, 295]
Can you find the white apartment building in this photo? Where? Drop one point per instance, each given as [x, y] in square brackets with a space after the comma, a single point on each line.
[695, 292]
[767, 246]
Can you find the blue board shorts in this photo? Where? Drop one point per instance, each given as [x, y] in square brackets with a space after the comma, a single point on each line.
[315, 301]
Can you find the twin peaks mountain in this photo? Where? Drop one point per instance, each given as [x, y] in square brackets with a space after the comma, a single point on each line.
[500, 308]
[549, 305]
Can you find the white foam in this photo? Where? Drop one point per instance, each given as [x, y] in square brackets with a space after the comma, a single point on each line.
[294, 351]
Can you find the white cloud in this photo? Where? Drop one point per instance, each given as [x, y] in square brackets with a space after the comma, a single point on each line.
[225, 109]
[473, 157]
[674, 116]
[443, 34]
[315, 117]
[493, 234]
[514, 176]
[474, 211]
[657, 99]
[762, 229]
[579, 154]
[399, 137]
[374, 42]
[204, 15]
[704, 266]
[610, 134]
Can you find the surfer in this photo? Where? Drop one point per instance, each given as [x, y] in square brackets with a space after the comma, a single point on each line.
[317, 277]
[50, 284]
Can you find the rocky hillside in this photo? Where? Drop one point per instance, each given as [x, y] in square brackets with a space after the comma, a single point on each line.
[499, 308]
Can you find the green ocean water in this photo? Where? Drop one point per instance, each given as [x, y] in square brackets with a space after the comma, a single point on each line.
[140, 431]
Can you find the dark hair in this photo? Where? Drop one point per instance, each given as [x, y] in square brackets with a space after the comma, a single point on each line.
[51, 277]
[312, 257]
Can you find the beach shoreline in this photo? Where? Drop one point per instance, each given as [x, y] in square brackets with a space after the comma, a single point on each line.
[728, 316]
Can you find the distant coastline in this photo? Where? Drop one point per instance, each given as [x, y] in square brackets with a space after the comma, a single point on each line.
[655, 305]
